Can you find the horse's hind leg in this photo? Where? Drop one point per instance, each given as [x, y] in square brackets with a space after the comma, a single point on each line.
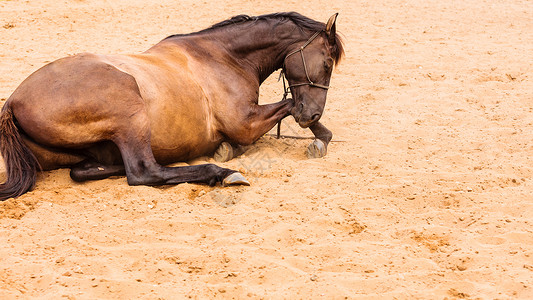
[49, 158]
[103, 160]
[92, 170]
[142, 168]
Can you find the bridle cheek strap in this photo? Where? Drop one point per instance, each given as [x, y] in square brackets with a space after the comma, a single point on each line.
[309, 81]
[286, 90]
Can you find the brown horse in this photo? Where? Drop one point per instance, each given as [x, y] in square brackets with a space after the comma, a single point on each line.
[105, 115]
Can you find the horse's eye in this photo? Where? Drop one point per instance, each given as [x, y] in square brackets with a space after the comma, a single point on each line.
[328, 63]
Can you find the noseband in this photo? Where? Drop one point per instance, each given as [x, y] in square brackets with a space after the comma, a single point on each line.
[286, 90]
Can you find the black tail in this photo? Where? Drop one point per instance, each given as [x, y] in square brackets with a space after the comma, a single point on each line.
[21, 164]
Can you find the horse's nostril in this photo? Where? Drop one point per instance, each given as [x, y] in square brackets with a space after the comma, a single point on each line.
[315, 117]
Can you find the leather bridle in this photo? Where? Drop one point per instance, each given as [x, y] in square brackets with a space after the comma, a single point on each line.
[309, 81]
[286, 90]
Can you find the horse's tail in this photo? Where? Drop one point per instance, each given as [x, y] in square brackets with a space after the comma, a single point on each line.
[21, 164]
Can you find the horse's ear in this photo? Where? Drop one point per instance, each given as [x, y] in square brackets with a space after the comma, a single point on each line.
[331, 28]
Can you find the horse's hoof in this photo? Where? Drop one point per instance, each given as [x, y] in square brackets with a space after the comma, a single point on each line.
[235, 179]
[316, 149]
[224, 152]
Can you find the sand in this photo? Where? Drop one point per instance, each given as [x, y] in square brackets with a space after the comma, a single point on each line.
[426, 192]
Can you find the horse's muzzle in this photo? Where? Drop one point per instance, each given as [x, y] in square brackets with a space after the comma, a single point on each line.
[305, 117]
[305, 121]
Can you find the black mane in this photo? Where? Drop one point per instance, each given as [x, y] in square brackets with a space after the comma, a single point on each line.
[301, 21]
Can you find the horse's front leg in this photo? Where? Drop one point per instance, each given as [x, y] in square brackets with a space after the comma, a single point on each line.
[318, 148]
[257, 120]
[262, 118]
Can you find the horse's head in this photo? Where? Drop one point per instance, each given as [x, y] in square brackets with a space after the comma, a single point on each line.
[308, 70]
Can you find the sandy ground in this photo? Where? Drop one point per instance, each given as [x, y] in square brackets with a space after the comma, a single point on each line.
[427, 191]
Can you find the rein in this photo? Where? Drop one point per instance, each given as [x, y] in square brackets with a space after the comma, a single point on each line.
[286, 90]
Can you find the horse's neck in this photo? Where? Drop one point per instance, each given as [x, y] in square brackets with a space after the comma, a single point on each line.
[262, 49]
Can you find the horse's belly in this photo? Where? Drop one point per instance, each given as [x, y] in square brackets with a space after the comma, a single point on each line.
[182, 133]
[181, 149]
[182, 124]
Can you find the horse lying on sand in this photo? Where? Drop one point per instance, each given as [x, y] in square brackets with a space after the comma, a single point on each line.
[108, 115]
